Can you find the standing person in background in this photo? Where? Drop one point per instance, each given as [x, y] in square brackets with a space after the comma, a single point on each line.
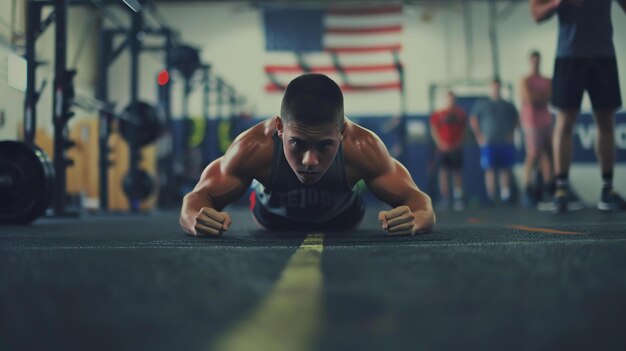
[536, 122]
[447, 127]
[494, 122]
[585, 60]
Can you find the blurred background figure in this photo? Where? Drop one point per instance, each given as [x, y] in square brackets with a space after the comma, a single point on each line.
[493, 122]
[536, 123]
[448, 127]
[585, 61]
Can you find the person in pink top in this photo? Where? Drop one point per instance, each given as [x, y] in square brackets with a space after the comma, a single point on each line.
[536, 122]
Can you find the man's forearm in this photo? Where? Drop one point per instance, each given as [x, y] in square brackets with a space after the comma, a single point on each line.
[192, 203]
[541, 11]
[422, 209]
[477, 134]
[435, 137]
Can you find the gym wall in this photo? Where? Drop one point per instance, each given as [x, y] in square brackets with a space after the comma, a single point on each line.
[231, 38]
[83, 27]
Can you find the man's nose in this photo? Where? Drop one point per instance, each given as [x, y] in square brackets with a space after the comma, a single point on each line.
[310, 158]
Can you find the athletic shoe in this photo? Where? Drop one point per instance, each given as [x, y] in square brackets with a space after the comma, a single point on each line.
[566, 200]
[611, 201]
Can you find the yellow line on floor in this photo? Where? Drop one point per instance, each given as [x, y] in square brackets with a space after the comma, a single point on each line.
[290, 317]
[541, 230]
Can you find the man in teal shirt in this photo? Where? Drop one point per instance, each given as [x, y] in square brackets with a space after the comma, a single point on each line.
[493, 122]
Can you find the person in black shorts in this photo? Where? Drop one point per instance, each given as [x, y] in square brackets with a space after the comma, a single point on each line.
[585, 61]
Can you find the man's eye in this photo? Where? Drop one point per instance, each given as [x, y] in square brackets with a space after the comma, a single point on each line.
[294, 143]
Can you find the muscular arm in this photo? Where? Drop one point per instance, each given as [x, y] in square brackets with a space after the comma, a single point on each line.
[391, 183]
[395, 187]
[222, 182]
[218, 186]
[434, 132]
[542, 10]
[524, 92]
[476, 129]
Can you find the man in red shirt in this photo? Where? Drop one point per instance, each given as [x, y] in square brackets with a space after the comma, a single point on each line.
[447, 127]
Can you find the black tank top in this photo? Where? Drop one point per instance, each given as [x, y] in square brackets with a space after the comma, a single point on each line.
[287, 197]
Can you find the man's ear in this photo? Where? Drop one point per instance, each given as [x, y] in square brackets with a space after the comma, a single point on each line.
[278, 122]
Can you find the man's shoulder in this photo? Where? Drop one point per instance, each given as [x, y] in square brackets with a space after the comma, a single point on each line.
[436, 115]
[459, 111]
[536, 77]
[480, 105]
[510, 104]
[260, 133]
[364, 151]
[504, 103]
[357, 134]
[253, 147]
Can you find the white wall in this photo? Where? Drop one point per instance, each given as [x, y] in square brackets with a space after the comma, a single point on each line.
[231, 38]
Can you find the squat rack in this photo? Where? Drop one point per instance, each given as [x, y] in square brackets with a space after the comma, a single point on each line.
[63, 88]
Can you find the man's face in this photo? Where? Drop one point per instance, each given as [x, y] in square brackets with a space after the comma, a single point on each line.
[534, 62]
[495, 89]
[309, 150]
[450, 100]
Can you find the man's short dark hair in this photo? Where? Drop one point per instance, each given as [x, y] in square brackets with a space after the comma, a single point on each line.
[496, 80]
[535, 53]
[312, 99]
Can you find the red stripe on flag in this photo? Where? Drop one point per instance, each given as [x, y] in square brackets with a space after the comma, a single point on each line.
[380, 86]
[271, 88]
[364, 30]
[383, 10]
[357, 49]
[331, 69]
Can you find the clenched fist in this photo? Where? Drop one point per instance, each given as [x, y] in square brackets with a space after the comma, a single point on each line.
[401, 221]
[210, 222]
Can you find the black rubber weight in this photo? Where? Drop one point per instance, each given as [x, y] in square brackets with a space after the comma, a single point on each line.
[27, 189]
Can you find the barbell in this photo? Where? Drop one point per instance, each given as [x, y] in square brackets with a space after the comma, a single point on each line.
[147, 122]
[26, 182]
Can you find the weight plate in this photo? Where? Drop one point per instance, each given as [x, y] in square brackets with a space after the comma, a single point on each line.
[29, 192]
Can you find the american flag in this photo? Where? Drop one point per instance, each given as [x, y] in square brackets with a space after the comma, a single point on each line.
[358, 46]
